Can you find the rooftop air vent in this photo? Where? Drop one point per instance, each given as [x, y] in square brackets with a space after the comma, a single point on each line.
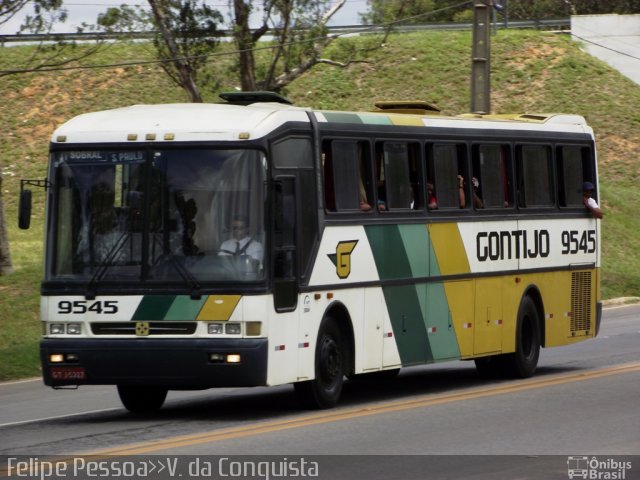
[247, 98]
[416, 107]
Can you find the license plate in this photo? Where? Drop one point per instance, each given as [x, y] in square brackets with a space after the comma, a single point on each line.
[68, 373]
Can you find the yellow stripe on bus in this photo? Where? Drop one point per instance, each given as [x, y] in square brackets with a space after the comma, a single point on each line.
[219, 307]
[452, 259]
[449, 249]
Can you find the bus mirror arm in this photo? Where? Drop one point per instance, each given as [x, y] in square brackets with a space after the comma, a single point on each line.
[24, 205]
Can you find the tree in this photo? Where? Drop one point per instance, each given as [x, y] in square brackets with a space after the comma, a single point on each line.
[48, 53]
[9, 8]
[186, 33]
[187, 36]
[386, 11]
[544, 9]
[422, 11]
[5, 255]
[300, 36]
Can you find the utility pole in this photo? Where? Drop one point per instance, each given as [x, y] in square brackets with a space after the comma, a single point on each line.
[481, 58]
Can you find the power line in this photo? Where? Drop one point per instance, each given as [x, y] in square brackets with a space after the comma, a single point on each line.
[606, 48]
[234, 52]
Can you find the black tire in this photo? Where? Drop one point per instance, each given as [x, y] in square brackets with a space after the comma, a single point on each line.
[330, 362]
[142, 399]
[523, 362]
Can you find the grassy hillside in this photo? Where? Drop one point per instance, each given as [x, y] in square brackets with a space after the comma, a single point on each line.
[531, 72]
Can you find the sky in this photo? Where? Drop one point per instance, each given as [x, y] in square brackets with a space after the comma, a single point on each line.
[87, 11]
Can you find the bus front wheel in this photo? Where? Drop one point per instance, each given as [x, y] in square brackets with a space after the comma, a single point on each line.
[324, 391]
[138, 399]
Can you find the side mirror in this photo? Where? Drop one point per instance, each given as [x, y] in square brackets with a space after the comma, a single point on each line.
[24, 209]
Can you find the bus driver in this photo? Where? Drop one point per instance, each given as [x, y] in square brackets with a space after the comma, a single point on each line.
[241, 243]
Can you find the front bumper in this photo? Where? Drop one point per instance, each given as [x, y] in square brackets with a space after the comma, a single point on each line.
[170, 363]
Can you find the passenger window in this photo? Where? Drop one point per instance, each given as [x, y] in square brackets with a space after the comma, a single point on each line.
[293, 153]
[346, 180]
[397, 175]
[535, 176]
[491, 181]
[574, 168]
[446, 172]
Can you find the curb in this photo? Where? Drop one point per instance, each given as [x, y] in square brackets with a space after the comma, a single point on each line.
[614, 302]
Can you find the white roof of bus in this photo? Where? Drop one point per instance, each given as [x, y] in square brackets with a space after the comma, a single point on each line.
[187, 122]
[207, 121]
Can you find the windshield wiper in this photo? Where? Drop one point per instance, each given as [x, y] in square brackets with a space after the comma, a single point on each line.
[108, 263]
[186, 275]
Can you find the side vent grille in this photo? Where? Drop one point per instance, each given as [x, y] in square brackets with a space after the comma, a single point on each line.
[580, 303]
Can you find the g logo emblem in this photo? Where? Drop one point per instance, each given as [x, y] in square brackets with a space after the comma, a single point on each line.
[142, 329]
[342, 258]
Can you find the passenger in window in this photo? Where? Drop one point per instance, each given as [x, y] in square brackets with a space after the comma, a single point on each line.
[432, 201]
[462, 196]
[187, 210]
[104, 232]
[589, 202]
[364, 203]
[382, 195]
[477, 199]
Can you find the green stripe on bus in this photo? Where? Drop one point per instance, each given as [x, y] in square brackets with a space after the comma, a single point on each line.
[403, 302]
[375, 119]
[388, 251]
[185, 308]
[434, 308]
[153, 307]
[342, 117]
[407, 323]
[440, 328]
[415, 239]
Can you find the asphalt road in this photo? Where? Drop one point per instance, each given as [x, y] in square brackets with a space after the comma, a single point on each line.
[582, 402]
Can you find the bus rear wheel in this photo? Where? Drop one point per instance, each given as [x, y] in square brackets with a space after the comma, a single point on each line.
[139, 399]
[324, 391]
[523, 362]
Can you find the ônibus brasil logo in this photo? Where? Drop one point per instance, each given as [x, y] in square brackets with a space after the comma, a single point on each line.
[595, 468]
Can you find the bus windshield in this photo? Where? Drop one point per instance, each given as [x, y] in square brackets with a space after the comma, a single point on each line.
[182, 216]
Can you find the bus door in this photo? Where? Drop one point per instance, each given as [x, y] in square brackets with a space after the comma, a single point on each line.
[295, 237]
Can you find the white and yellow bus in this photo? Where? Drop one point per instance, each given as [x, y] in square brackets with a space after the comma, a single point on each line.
[258, 243]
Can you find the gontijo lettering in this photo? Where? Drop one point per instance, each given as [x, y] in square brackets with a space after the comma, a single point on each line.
[515, 244]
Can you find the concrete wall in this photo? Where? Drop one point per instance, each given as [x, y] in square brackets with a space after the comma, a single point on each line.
[605, 25]
[614, 39]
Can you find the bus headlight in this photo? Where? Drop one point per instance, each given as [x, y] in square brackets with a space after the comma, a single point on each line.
[214, 328]
[233, 329]
[74, 329]
[56, 328]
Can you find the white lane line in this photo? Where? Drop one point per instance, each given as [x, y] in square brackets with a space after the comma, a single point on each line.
[44, 419]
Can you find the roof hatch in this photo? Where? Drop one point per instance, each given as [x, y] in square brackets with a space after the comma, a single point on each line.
[413, 107]
[247, 98]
